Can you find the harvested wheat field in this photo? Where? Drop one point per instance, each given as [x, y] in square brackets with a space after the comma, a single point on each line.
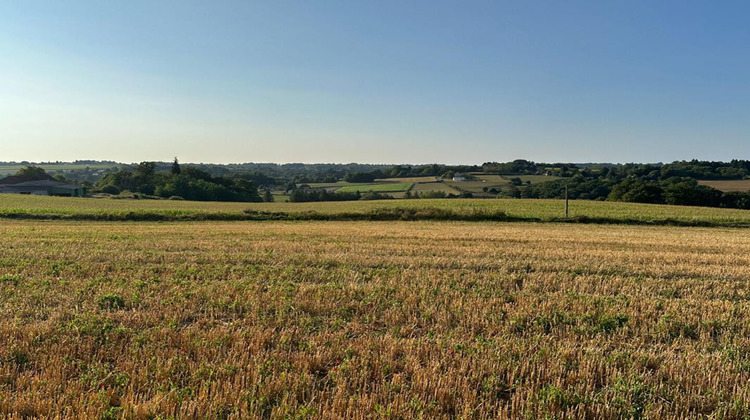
[373, 320]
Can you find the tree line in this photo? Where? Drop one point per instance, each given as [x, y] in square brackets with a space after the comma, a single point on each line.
[188, 183]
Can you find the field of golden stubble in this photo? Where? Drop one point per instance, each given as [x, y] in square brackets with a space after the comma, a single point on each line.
[373, 320]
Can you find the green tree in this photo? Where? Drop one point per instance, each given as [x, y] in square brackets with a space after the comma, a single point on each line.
[176, 167]
[32, 173]
[637, 191]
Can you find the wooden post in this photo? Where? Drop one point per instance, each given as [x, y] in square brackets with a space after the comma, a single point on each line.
[566, 201]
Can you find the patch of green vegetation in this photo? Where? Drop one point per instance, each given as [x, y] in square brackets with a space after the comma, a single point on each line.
[111, 302]
[377, 187]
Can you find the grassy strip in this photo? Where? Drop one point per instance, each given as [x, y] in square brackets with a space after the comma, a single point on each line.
[654, 222]
[386, 214]
[381, 214]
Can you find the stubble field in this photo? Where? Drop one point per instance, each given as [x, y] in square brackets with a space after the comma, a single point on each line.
[373, 320]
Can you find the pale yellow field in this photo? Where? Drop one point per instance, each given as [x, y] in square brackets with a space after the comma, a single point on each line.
[373, 320]
[728, 186]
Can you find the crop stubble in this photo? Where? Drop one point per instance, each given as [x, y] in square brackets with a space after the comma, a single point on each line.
[357, 319]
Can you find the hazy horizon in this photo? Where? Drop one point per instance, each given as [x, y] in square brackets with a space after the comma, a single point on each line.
[335, 81]
[168, 161]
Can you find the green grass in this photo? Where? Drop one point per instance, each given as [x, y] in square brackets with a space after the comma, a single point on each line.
[543, 210]
[491, 178]
[475, 187]
[423, 187]
[339, 184]
[379, 187]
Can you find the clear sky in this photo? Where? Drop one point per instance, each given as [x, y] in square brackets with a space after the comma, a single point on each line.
[374, 81]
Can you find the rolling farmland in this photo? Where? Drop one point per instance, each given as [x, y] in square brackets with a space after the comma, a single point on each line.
[372, 319]
[485, 185]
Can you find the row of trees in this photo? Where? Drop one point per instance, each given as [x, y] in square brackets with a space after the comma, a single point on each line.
[189, 183]
[675, 190]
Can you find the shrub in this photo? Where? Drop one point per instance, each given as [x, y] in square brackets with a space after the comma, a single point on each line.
[111, 302]
[111, 189]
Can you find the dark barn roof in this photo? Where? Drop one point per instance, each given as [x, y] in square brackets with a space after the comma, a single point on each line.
[16, 179]
[31, 185]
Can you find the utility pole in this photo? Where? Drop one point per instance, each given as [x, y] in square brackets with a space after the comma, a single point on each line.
[566, 201]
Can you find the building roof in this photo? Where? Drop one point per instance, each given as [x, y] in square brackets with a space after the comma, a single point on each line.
[45, 184]
[16, 179]
[22, 183]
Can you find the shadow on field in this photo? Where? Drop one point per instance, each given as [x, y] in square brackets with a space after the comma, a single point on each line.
[384, 214]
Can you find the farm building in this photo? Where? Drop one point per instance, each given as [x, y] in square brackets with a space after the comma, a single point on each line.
[46, 186]
[458, 177]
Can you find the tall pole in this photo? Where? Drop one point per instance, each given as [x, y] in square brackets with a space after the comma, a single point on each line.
[566, 201]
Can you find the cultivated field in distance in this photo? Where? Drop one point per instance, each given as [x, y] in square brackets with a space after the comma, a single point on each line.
[379, 187]
[480, 185]
[728, 185]
[373, 320]
[10, 169]
[439, 187]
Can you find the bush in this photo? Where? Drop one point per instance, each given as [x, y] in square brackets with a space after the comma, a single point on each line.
[375, 196]
[432, 194]
[111, 302]
[111, 189]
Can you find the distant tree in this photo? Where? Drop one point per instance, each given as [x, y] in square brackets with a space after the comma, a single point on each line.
[144, 176]
[110, 189]
[737, 200]
[267, 196]
[176, 167]
[687, 192]
[637, 191]
[359, 177]
[32, 172]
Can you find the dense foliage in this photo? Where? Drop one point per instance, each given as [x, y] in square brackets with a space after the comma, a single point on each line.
[189, 183]
[675, 190]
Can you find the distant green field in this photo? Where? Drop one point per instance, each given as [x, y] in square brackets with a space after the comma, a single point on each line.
[490, 178]
[12, 169]
[339, 184]
[539, 209]
[409, 179]
[377, 187]
[477, 187]
[423, 187]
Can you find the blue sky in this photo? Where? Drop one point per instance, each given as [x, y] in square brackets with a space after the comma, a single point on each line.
[377, 81]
